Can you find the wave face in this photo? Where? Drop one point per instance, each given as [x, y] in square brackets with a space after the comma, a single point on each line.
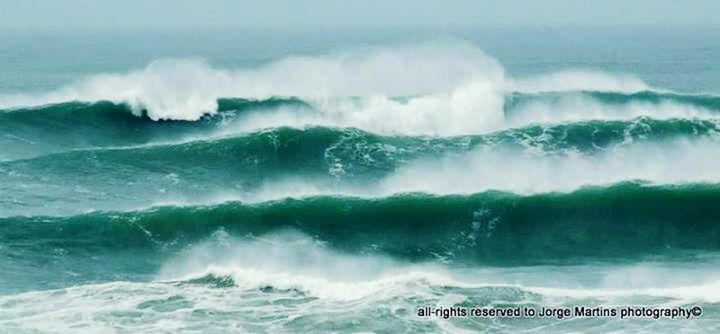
[68, 126]
[366, 184]
[604, 222]
[285, 162]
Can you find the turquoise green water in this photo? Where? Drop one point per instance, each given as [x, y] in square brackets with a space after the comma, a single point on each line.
[243, 182]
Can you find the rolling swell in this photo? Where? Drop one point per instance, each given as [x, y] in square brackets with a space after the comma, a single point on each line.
[288, 162]
[315, 149]
[128, 133]
[55, 128]
[621, 221]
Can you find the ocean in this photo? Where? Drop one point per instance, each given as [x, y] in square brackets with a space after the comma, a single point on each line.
[499, 180]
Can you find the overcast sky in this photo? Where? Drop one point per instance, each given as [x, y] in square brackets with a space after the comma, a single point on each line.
[312, 14]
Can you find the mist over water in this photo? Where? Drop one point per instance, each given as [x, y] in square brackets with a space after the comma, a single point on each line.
[341, 189]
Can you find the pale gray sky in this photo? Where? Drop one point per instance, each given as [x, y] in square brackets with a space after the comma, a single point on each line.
[310, 14]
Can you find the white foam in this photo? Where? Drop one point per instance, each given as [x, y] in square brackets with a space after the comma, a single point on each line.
[451, 88]
[343, 285]
[185, 89]
[577, 107]
[289, 260]
[472, 109]
[670, 162]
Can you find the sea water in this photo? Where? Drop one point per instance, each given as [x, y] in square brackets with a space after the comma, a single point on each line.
[496, 180]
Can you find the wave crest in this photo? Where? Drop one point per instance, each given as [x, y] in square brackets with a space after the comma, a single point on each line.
[452, 88]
